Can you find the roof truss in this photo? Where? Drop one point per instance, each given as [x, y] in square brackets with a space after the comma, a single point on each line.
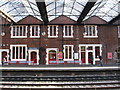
[86, 10]
[42, 8]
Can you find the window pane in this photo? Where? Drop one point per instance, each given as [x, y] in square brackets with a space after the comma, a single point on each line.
[66, 52]
[82, 48]
[20, 30]
[50, 30]
[20, 52]
[16, 52]
[13, 53]
[24, 31]
[90, 31]
[66, 31]
[17, 31]
[24, 52]
[87, 31]
[54, 30]
[36, 33]
[90, 48]
[93, 30]
[32, 30]
[70, 52]
[14, 31]
[70, 30]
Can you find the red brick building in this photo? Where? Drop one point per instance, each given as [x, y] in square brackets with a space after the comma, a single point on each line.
[61, 41]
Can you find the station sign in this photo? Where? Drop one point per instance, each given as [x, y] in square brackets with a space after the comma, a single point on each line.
[60, 55]
[109, 55]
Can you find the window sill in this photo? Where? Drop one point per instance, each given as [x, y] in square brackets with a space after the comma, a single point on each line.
[68, 36]
[34, 36]
[52, 36]
[90, 36]
[18, 36]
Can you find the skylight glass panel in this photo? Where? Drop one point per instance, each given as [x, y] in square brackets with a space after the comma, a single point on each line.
[20, 8]
[107, 9]
[65, 7]
[78, 7]
[74, 18]
[3, 2]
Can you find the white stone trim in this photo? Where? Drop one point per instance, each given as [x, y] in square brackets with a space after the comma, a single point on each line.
[68, 52]
[68, 36]
[34, 26]
[18, 52]
[2, 50]
[47, 52]
[29, 52]
[53, 36]
[118, 31]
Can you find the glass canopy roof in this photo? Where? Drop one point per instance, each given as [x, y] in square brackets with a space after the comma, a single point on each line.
[18, 9]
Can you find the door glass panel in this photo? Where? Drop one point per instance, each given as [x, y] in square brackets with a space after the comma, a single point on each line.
[83, 57]
[97, 52]
[82, 48]
[90, 57]
[52, 55]
[90, 48]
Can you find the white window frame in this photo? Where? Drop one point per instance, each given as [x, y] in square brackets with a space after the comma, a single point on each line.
[53, 36]
[67, 36]
[19, 31]
[34, 26]
[18, 52]
[68, 53]
[90, 36]
[118, 31]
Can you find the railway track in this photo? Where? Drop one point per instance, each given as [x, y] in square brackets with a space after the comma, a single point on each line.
[66, 82]
[81, 80]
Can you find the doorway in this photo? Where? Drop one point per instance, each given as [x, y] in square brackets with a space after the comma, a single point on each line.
[89, 53]
[4, 57]
[51, 56]
[33, 57]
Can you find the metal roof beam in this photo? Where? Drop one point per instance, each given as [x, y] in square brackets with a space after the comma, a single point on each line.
[42, 8]
[86, 10]
[114, 19]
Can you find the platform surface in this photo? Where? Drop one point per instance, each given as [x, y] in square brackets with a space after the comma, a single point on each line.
[63, 68]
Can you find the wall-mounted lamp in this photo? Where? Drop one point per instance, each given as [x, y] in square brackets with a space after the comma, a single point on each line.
[2, 33]
[43, 33]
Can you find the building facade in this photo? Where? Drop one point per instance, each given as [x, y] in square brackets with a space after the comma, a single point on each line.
[61, 41]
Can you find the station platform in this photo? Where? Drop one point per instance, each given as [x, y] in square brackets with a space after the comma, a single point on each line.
[58, 67]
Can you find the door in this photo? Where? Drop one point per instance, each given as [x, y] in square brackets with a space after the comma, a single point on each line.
[33, 57]
[89, 53]
[51, 56]
[4, 56]
[90, 58]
